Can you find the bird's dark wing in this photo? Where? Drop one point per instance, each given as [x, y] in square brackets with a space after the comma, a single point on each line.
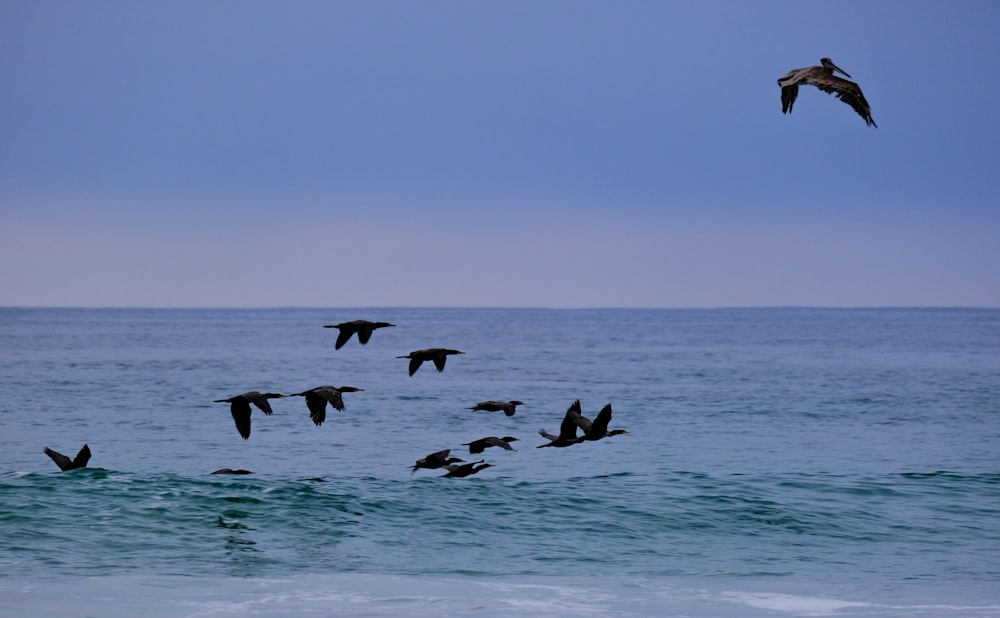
[261, 402]
[567, 430]
[509, 409]
[61, 460]
[345, 333]
[317, 407]
[415, 363]
[599, 428]
[577, 418]
[240, 410]
[788, 95]
[333, 396]
[364, 334]
[476, 446]
[439, 361]
[847, 91]
[82, 457]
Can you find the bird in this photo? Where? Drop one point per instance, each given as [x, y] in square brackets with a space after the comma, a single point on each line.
[507, 407]
[466, 469]
[240, 408]
[317, 398]
[598, 429]
[64, 462]
[363, 328]
[823, 78]
[480, 445]
[231, 471]
[567, 430]
[438, 355]
[435, 460]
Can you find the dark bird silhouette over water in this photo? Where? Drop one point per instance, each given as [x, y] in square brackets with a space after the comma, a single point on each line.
[240, 407]
[438, 355]
[597, 429]
[480, 445]
[458, 471]
[64, 463]
[317, 398]
[823, 78]
[231, 471]
[435, 460]
[363, 328]
[507, 407]
[567, 430]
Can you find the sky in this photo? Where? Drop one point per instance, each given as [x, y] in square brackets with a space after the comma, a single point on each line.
[539, 153]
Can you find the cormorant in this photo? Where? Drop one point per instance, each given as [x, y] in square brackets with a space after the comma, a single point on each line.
[240, 407]
[597, 429]
[363, 328]
[480, 445]
[231, 471]
[567, 430]
[317, 398]
[64, 463]
[435, 460]
[467, 469]
[507, 407]
[438, 355]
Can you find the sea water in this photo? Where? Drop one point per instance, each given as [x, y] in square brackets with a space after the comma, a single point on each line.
[779, 462]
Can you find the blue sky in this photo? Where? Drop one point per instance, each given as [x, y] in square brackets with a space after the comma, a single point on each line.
[453, 153]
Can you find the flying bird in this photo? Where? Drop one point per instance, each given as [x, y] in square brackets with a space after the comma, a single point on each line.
[459, 471]
[597, 429]
[240, 408]
[480, 445]
[507, 407]
[435, 460]
[438, 355]
[823, 78]
[64, 462]
[363, 328]
[317, 398]
[567, 430]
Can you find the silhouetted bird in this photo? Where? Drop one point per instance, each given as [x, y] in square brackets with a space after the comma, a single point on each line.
[240, 407]
[64, 463]
[435, 460]
[231, 471]
[317, 398]
[363, 328]
[438, 355]
[507, 407]
[466, 469]
[599, 427]
[480, 445]
[567, 430]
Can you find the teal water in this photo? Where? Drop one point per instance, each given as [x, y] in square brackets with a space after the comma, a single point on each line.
[779, 462]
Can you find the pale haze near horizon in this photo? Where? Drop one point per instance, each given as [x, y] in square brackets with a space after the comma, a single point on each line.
[552, 154]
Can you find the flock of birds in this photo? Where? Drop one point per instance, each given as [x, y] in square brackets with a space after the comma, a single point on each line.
[318, 398]
[822, 77]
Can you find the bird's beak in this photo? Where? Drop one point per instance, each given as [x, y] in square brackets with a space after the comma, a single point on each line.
[836, 68]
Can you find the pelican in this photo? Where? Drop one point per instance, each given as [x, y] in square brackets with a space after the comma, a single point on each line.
[507, 407]
[240, 408]
[317, 398]
[363, 328]
[438, 355]
[823, 78]
[598, 428]
[64, 463]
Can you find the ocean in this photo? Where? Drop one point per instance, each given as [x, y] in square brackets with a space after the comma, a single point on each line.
[779, 462]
